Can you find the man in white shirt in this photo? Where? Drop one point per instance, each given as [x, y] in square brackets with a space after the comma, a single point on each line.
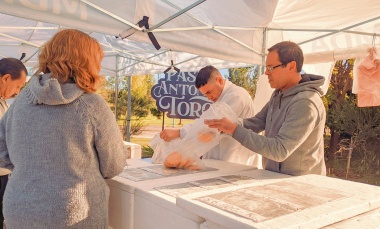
[210, 83]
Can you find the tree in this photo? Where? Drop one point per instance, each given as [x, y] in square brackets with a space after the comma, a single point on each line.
[108, 92]
[155, 112]
[340, 85]
[140, 95]
[361, 130]
[141, 101]
[103, 90]
[141, 98]
[245, 77]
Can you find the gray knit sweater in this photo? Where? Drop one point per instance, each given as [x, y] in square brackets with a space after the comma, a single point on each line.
[61, 143]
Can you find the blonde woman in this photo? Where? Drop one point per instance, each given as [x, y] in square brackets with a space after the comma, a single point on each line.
[61, 141]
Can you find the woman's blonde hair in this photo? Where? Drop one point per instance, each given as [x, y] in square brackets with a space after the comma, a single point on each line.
[72, 55]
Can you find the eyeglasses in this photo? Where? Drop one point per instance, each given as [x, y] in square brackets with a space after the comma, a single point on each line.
[270, 68]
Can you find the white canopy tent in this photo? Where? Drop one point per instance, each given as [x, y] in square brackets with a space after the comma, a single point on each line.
[223, 33]
[121, 57]
[237, 31]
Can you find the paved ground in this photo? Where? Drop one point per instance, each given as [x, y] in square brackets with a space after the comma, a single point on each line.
[148, 132]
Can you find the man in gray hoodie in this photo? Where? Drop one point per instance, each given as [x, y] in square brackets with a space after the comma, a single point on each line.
[293, 119]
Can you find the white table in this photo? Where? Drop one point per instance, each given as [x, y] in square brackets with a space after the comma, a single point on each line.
[153, 208]
[369, 219]
[121, 200]
[133, 150]
[138, 205]
[357, 199]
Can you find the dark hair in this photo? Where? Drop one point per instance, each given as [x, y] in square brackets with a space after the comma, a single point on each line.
[287, 52]
[13, 67]
[204, 75]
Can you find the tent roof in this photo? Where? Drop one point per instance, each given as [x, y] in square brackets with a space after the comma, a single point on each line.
[238, 32]
[27, 36]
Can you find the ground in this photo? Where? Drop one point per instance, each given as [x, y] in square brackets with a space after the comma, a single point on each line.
[148, 132]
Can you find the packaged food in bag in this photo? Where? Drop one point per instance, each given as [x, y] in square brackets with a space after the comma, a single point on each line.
[161, 148]
[199, 139]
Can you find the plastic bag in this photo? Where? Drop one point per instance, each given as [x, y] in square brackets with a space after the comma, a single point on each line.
[199, 139]
[366, 83]
[161, 148]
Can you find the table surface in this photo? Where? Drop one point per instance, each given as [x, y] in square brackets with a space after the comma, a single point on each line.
[180, 195]
[222, 167]
[317, 208]
[369, 219]
[146, 189]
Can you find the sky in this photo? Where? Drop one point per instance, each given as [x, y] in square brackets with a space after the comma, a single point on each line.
[224, 72]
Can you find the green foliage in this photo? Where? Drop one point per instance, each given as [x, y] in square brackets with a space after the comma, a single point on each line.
[141, 101]
[140, 106]
[347, 121]
[147, 151]
[340, 85]
[136, 127]
[110, 88]
[352, 120]
[363, 126]
[245, 77]
[155, 112]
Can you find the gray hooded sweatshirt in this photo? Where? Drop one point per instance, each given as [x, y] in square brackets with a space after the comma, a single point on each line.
[61, 143]
[294, 124]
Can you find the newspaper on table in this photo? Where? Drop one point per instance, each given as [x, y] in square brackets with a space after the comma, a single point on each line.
[176, 190]
[156, 172]
[260, 203]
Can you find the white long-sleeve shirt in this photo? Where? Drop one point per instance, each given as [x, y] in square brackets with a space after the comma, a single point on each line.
[228, 148]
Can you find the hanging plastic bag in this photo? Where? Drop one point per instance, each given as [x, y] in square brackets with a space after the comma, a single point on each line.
[366, 83]
[199, 139]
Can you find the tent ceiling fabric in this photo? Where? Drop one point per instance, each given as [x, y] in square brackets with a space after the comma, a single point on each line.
[235, 32]
[133, 58]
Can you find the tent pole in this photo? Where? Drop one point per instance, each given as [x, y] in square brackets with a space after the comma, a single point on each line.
[263, 51]
[341, 30]
[362, 33]
[131, 54]
[21, 40]
[175, 15]
[129, 109]
[192, 58]
[143, 60]
[111, 14]
[116, 84]
[30, 57]
[215, 28]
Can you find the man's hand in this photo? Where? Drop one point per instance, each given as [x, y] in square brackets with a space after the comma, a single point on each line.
[223, 125]
[169, 134]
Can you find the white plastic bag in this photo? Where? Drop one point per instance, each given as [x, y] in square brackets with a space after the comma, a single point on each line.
[161, 148]
[199, 139]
